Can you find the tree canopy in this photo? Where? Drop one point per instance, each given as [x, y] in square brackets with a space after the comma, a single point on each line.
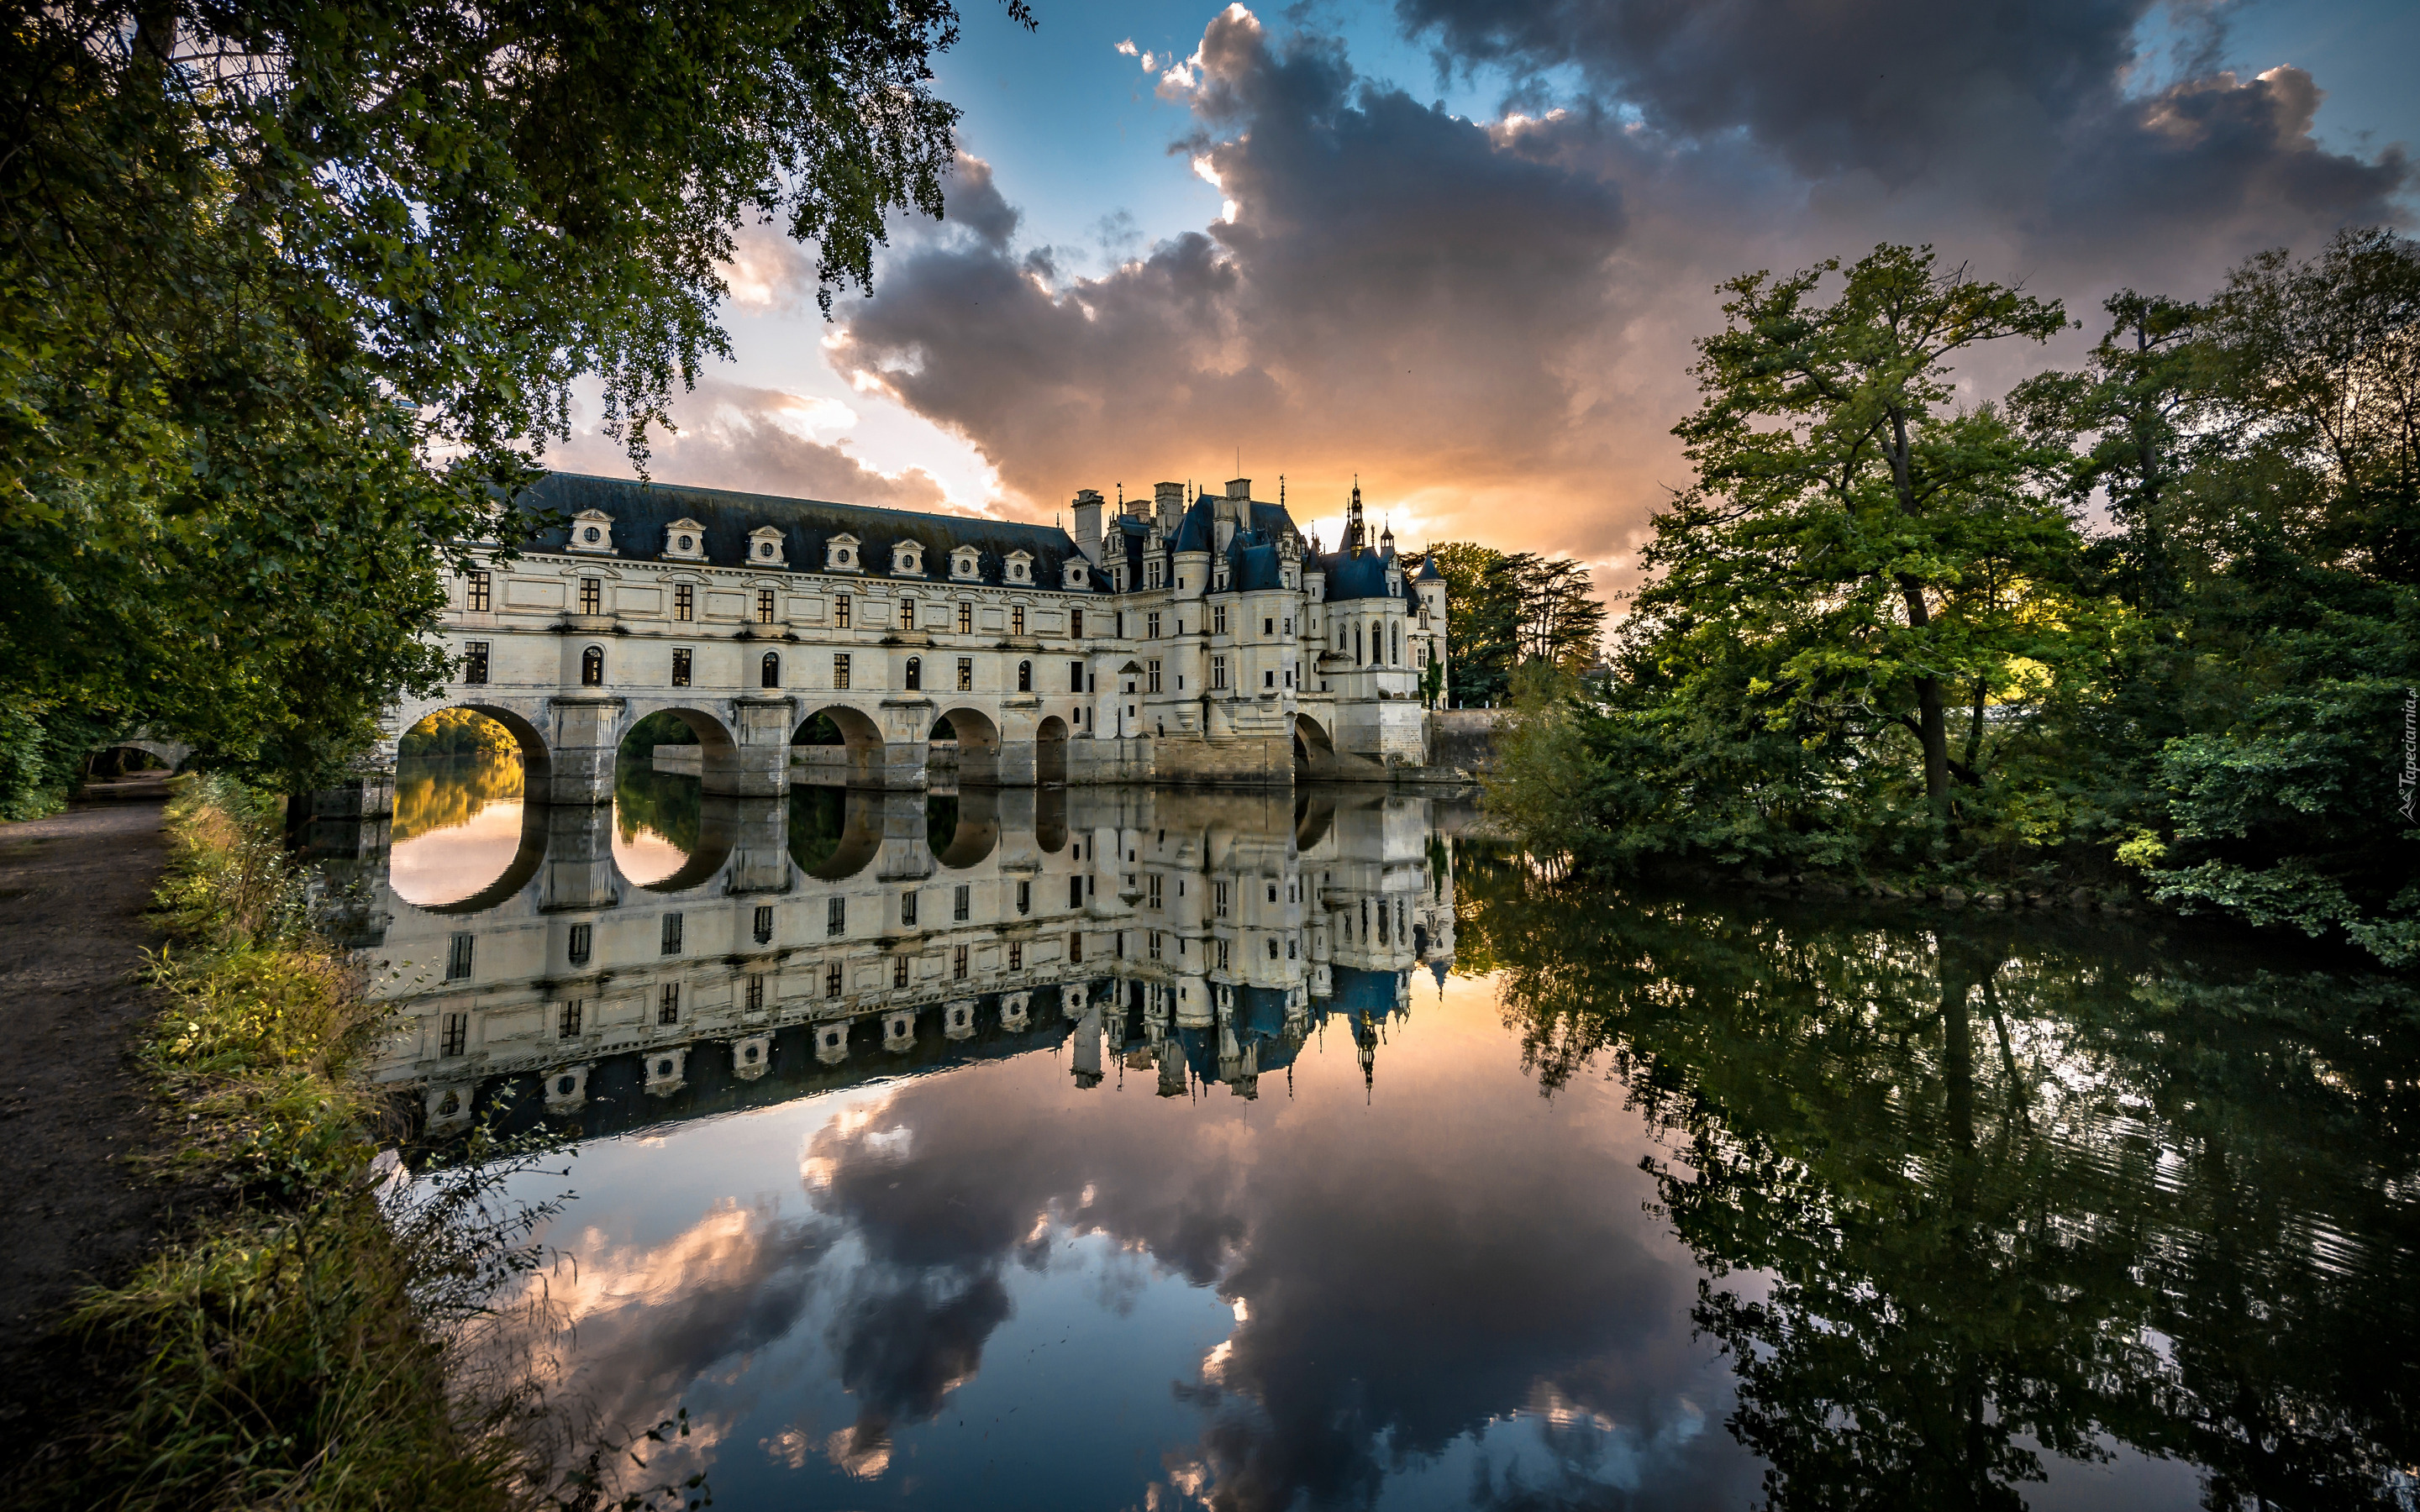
[291, 295]
[1506, 610]
[2148, 622]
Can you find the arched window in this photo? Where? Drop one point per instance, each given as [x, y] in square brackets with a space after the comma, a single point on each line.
[772, 669]
[915, 672]
[592, 667]
[1025, 677]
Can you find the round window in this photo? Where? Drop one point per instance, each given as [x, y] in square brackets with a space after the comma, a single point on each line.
[752, 1052]
[843, 558]
[684, 543]
[592, 535]
[663, 1068]
[563, 1085]
[764, 549]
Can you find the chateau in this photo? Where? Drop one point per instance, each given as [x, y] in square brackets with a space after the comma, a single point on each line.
[1189, 639]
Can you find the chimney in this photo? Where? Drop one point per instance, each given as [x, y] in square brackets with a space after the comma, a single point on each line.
[1087, 524]
[1170, 501]
[1239, 487]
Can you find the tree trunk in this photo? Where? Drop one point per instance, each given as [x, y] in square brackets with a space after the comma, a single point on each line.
[1932, 716]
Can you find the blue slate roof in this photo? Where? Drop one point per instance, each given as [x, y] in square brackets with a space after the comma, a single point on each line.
[1356, 575]
[642, 511]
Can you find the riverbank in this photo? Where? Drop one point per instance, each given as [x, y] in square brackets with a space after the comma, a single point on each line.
[75, 891]
[272, 1347]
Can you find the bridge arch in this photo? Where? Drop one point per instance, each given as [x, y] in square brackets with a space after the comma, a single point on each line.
[839, 743]
[1314, 749]
[978, 745]
[537, 763]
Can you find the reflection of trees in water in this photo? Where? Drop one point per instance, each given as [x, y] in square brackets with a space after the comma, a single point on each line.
[436, 793]
[818, 815]
[667, 803]
[1988, 1164]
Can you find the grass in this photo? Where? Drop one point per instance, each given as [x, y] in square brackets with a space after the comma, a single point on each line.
[323, 1339]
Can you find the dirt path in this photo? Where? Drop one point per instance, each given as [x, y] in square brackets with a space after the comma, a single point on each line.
[72, 892]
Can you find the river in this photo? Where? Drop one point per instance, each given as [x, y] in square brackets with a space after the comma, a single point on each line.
[1269, 1151]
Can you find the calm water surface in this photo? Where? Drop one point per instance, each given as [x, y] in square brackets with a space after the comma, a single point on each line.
[1472, 1191]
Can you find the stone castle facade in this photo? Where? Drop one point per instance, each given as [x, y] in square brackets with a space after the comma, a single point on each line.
[1191, 638]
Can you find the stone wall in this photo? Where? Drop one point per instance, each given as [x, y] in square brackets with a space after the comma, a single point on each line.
[1462, 741]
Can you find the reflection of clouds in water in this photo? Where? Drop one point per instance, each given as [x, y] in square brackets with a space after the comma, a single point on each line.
[448, 865]
[646, 857]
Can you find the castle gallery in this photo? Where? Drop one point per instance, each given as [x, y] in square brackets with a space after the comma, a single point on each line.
[1183, 638]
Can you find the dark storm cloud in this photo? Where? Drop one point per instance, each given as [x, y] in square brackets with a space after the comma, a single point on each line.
[1491, 322]
[2023, 111]
[1386, 265]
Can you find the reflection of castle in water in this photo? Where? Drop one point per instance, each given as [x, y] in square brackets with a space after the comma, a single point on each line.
[849, 933]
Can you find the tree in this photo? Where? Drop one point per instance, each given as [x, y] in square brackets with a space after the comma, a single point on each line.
[1829, 472]
[1503, 611]
[291, 295]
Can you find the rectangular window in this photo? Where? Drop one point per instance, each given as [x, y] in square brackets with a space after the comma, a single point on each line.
[1155, 889]
[1153, 672]
[1218, 671]
[566, 1020]
[836, 916]
[1017, 619]
[1151, 626]
[962, 904]
[755, 994]
[966, 674]
[475, 662]
[680, 666]
[1222, 955]
[592, 596]
[840, 612]
[1075, 677]
[1219, 900]
[764, 605]
[907, 910]
[831, 980]
[1154, 939]
[668, 1003]
[1289, 628]
[684, 602]
[1218, 620]
[1268, 626]
[582, 934]
[1016, 955]
[458, 958]
[1075, 624]
[1075, 947]
[958, 963]
[1268, 677]
[965, 618]
[898, 971]
[1025, 897]
[1075, 892]
[839, 669]
[476, 591]
[453, 1034]
[907, 614]
[672, 934]
[763, 923]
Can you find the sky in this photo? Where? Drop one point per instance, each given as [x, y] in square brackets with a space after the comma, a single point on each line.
[1459, 250]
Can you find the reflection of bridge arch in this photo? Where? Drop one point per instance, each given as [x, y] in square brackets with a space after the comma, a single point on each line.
[1313, 815]
[978, 745]
[972, 820]
[527, 858]
[718, 829]
[849, 819]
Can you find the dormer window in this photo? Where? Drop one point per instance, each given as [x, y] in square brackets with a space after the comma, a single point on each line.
[685, 540]
[907, 560]
[1020, 567]
[592, 532]
[840, 554]
[764, 547]
[1075, 575]
[966, 564]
